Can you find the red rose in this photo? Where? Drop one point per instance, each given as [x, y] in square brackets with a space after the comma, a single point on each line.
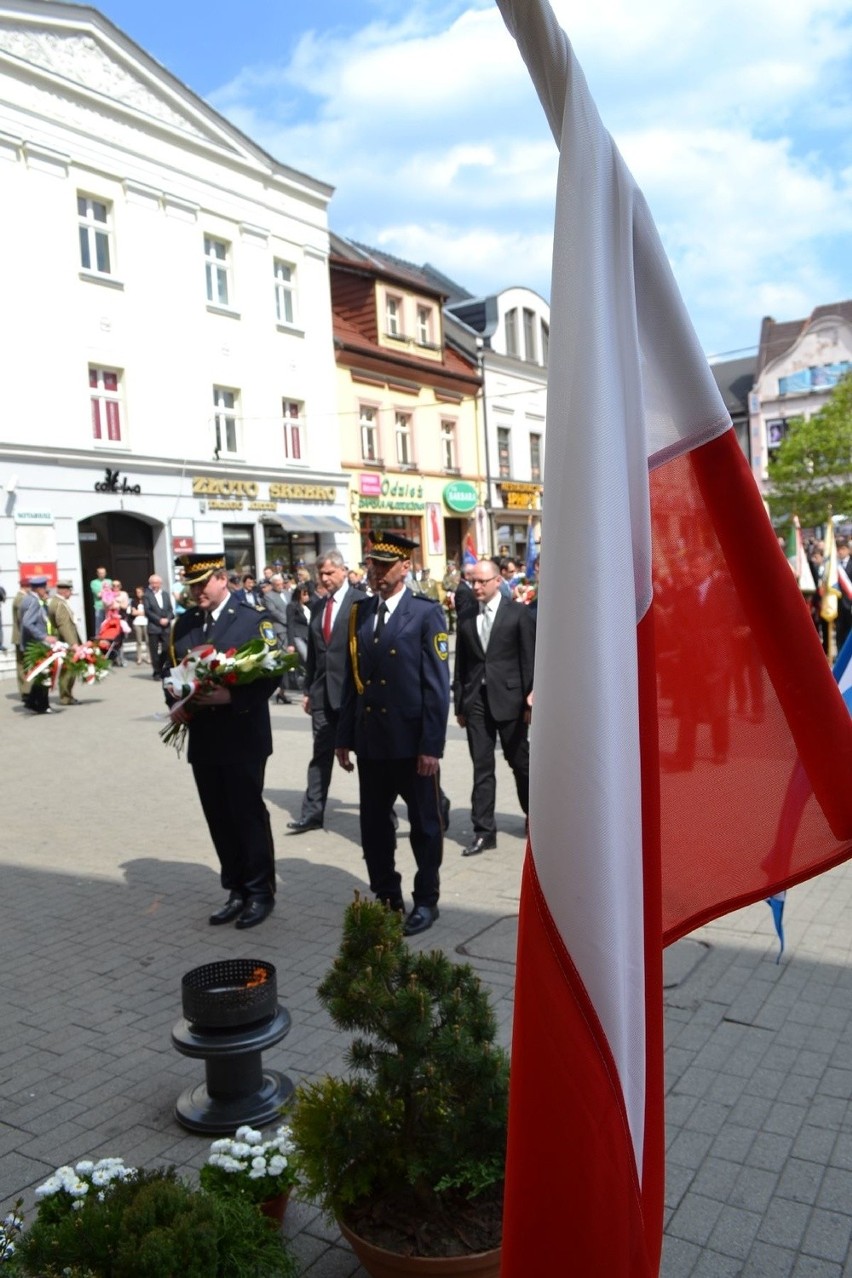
[231, 677]
[230, 652]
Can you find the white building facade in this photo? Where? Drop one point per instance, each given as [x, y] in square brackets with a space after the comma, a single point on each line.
[167, 329]
[799, 363]
[513, 328]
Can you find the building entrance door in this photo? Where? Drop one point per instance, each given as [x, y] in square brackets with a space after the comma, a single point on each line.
[122, 544]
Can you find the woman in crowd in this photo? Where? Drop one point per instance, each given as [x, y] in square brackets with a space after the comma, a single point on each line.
[139, 622]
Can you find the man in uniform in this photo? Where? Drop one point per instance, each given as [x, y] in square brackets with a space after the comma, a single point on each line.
[23, 686]
[64, 625]
[230, 739]
[34, 627]
[325, 669]
[394, 712]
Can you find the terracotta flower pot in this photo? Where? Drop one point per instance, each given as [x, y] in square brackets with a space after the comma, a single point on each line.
[389, 1264]
[274, 1209]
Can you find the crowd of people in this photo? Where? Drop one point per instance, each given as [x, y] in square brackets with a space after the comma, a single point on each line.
[373, 672]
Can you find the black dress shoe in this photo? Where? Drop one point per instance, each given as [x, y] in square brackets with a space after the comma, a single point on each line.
[300, 826]
[482, 843]
[234, 905]
[255, 912]
[420, 919]
[445, 811]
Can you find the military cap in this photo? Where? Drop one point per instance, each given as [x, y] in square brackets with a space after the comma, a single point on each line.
[390, 546]
[64, 584]
[32, 582]
[197, 568]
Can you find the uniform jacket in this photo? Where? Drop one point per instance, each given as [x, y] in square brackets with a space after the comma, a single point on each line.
[506, 669]
[220, 733]
[276, 605]
[153, 612]
[326, 664]
[401, 710]
[32, 621]
[62, 618]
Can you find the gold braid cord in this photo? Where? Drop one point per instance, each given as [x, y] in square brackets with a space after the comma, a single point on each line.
[353, 648]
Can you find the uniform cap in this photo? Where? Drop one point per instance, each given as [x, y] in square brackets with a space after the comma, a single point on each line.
[387, 547]
[37, 581]
[197, 568]
[64, 585]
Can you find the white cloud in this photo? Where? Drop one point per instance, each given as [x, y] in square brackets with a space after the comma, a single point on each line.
[734, 118]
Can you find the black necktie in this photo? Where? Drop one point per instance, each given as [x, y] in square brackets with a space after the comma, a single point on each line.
[383, 616]
[208, 622]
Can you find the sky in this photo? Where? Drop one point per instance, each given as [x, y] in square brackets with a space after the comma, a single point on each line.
[735, 118]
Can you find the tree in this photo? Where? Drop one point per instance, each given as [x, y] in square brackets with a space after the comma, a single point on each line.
[810, 474]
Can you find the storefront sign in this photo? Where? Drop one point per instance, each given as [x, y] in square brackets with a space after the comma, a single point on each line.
[182, 545]
[520, 496]
[390, 492]
[232, 494]
[460, 496]
[110, 484]
[33, 517]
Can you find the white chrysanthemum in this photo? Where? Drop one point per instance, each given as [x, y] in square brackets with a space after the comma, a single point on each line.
[241, 1149]
[257, 1173]
[77, 1205]
[48, 1189]
[221, 1146]
[85, 1168]
[277, 1164]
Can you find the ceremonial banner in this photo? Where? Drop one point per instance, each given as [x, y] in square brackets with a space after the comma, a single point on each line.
[666, 726]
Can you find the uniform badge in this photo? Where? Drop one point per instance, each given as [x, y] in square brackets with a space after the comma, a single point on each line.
[267, 634]
[442, 646]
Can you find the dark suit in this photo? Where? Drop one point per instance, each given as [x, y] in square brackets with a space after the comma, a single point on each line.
[465, 601]
[324, 674]
[490, 691]
[228, 749]
[158, 635]
[394, 708]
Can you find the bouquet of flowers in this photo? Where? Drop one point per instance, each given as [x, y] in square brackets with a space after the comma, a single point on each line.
[203, 668]
[43, 662]
[248, 1166]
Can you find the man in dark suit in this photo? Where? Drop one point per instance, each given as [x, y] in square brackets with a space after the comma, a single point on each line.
[492, 693]
[230, 739]
[160, 614]
[323, 689]
[394, 716]
[247, 592]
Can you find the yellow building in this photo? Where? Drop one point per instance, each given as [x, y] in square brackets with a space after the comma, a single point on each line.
[408, 407]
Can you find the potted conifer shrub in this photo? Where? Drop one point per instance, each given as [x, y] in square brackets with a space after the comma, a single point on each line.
[408, 1151]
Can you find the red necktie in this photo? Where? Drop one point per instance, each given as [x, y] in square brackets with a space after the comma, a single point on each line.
[326, 618]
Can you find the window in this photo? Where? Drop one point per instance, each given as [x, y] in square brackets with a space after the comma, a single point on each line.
[104, 386]
[511, 332]
[424, 325]
[529, 336]
[545, 342]
[292, 413]
[369, 435]
[535, 458]
[285, 293]
[217, 270]
[448, 445]
[504, 456]
[404, 452]
[393, 316]
[94, 218]
[225, 420]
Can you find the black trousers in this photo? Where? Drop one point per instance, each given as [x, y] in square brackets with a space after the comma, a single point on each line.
[381, 783]
[37, 697]
[482, 732]
[232, 799]
[324, 725]
[158, 647]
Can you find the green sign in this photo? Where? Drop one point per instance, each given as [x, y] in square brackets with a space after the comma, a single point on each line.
[460, 496]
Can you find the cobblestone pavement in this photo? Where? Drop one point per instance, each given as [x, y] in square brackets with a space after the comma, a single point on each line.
[107, 879]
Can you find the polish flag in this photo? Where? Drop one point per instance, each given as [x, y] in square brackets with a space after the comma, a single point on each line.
[669, 715]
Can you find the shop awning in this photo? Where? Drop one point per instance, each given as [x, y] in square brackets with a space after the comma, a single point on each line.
[305, 521]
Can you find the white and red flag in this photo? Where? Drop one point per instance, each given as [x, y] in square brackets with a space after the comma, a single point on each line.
[668, 719]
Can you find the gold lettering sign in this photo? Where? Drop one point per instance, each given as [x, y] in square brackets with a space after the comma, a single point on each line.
[301, 492]
[207, 486]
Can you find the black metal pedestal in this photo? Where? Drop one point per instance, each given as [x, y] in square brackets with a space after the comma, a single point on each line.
[237, 1089]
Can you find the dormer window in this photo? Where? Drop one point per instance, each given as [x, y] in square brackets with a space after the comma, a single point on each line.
[424, 326]
[393, 316]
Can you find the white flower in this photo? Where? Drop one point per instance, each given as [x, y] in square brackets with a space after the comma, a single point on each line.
[85, 1168]
[50, 1187]
[257, 1173]
[259, 1163]
[277, 1165]
[240, 1149]
[221, 1146]
[249, 1135]
[77, 1205]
